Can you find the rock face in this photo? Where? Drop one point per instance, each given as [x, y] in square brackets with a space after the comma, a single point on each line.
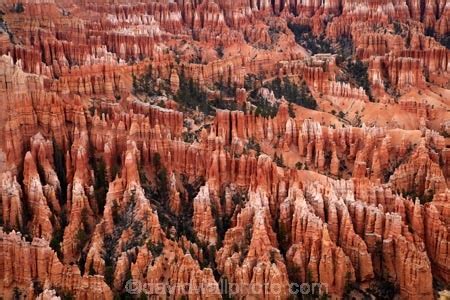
[24, 263]
[40, 224]
[203, 222]
[201, 146]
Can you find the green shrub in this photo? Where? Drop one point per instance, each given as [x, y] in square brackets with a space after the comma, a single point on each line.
[191, 95]
[101, 185]
[273, 256]
[291, 111]
[189, 137]
[18, 8]
[427, 197]
[146, 85]
[293, 93]
[156, 161]
[82, 238]
[252, 144]
[398, 28]
[155, 249]
[251, 82]
[383, 289]
[37, 287]
[305, 38]
[220, 51]
[429, 31]
[357, 72]
[109, 275]
[162, 183]
[445, 40]
[279, 160]
[60, 169]
[343, 48]
[56, 240]
[265, 109]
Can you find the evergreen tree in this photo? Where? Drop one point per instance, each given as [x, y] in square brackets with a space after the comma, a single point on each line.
[101, 185]
[60, 169]
[192, 96]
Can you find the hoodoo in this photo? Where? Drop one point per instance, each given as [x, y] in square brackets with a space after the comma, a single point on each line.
[209, 149]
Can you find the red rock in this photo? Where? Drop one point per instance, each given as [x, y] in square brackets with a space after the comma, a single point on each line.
[203, 221]
[36, 261]
[66, 84]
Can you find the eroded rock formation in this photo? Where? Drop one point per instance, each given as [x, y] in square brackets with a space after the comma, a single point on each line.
[188, 144]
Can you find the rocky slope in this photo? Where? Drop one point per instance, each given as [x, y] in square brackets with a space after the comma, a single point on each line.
[206, 145]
